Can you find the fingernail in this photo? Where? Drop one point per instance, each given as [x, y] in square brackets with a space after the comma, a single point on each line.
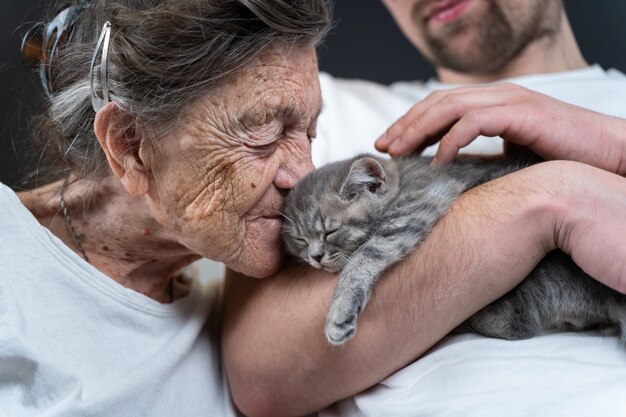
[382, 138]
[434, 162]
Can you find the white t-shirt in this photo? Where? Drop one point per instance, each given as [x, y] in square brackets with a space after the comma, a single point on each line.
[573, 375]
[566, 375]
[73, 342]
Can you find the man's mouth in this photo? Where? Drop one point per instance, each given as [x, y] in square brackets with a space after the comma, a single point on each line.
[446, 11]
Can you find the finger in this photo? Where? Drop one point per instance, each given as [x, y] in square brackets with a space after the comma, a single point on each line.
[400, 125]
[390, 135]
[426, 121]
[431, 101]
[491, 122]
[416, 140]
[427, 128]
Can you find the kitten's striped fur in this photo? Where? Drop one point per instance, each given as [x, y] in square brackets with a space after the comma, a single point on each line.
[361, 215]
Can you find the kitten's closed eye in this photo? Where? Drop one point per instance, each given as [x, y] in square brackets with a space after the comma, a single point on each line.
[330, 233]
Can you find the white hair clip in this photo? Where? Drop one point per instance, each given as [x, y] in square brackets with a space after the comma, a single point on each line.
[98, 102]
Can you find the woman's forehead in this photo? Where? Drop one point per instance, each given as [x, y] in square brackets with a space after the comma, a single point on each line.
[282, 82]
[281, 66]
[283, 85]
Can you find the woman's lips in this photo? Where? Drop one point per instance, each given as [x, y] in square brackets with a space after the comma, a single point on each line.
[277, 217]
[446, 11]
[271, 222]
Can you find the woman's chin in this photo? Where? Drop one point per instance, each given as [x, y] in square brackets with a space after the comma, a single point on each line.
[259, 261]
[258, 269]
[261, 255]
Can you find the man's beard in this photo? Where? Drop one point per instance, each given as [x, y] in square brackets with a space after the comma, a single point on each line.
[496, 42]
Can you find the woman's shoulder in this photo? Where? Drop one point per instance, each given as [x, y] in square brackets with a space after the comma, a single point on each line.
[6, 195]
[13, 212]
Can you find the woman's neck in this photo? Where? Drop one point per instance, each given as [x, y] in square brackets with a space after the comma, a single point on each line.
[115, 230]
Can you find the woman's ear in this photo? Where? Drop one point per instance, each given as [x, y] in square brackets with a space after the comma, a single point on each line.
[120, 141]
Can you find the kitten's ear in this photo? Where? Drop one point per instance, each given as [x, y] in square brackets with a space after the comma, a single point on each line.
[366, 174]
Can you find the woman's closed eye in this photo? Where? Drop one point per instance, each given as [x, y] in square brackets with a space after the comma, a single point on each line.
[263, 136]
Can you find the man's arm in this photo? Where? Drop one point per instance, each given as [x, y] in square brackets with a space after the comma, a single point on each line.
[276, 356]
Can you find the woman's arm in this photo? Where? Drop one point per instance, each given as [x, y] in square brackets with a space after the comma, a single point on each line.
[276, 356]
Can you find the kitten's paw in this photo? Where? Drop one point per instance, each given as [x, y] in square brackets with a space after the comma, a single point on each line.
[341, 320]
[338, 333]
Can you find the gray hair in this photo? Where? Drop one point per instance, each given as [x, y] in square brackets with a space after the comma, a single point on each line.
[163, 54]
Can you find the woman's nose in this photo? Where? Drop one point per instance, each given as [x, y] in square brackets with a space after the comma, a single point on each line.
[304, 167]
[293, 169]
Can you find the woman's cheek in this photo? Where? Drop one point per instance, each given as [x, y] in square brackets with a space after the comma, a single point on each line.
[254, 176]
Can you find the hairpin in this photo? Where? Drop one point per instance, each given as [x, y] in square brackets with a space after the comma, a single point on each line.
[41, 42]
[98, 102]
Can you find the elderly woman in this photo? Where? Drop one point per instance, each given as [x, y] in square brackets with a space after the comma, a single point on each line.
[177, 127]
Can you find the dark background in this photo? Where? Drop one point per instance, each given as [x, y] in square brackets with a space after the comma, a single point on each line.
[365, 43]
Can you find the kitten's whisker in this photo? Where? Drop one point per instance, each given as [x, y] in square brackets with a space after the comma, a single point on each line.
[286, 217]
[339, 257]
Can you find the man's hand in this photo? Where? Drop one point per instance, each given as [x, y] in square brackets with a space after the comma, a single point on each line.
[590, 226]
[549, 127]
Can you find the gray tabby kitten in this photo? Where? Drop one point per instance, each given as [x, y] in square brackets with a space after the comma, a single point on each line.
[362, 215]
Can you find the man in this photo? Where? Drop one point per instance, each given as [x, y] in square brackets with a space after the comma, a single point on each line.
[482, 248]
[530, 43]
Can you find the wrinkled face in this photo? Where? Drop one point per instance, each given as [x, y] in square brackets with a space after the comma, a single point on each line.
[219, 181]
[474, 36]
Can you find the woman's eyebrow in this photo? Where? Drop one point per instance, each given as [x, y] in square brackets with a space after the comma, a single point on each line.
[259, 116]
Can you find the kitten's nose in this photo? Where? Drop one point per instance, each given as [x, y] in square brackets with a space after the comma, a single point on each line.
[317, 258]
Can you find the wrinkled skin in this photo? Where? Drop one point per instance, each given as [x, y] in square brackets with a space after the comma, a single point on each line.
[487, 35]
[219, 181]
[212, 187]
